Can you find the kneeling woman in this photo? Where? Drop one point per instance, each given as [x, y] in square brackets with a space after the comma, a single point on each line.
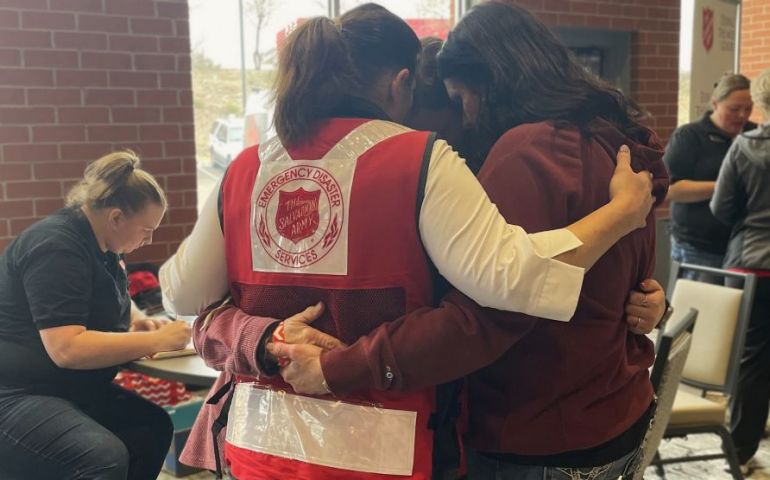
[67, 322]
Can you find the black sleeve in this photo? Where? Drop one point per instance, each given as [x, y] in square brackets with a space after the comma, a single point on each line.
[681, 155]
[58, 287]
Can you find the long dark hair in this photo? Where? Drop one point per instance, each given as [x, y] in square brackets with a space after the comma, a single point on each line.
[323, 61]
[524, 74]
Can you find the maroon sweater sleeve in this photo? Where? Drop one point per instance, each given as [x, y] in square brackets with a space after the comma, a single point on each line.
[532, 179]
[229, 341]
[426, 347]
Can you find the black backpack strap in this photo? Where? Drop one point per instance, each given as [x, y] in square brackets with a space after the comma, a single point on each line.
[221, 421]
[221, 202]
[443, 422]
[447, 404]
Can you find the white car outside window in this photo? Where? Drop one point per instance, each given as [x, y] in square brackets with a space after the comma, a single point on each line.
[226, 140]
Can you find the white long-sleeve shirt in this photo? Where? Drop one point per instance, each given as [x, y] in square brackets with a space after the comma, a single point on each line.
[496, 264]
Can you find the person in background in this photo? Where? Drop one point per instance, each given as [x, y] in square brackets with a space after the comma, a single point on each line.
[742, 202]
[693, 156]
[546, 399]
[411, 204]
[67, 323]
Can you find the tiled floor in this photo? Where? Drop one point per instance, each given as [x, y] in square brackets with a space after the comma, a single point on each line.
[197, 476]
[713, 470]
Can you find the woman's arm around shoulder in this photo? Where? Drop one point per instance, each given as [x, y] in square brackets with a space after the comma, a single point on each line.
[500, 265]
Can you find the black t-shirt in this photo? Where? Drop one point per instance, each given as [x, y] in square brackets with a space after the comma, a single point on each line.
[55, 274]
[695, 152]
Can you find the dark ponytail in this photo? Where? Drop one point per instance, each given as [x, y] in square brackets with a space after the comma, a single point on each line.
[314, 72]
[323, 61]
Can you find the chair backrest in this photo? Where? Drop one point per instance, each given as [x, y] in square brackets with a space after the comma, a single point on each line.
[673, 347]
[723, 317]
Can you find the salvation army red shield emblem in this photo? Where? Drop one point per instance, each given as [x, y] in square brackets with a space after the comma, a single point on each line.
[296, 217]
[707, 32]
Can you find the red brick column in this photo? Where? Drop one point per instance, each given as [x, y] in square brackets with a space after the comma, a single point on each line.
[654, 25]
[755, 40]
[80, 78]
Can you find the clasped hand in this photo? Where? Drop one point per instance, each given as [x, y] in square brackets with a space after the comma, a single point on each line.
[303, 348]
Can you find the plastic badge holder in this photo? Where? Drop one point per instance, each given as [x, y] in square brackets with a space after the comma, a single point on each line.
[333, 433]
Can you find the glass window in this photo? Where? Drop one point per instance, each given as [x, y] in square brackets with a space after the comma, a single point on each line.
[218, 83]
[591, 58]
[222, 91]
[428, 18]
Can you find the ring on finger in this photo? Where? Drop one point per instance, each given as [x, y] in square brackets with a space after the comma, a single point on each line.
[638, 322]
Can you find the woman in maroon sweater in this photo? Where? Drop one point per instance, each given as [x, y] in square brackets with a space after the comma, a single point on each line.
[550, 400]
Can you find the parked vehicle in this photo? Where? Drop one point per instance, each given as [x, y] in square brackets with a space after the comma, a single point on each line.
[226, 140]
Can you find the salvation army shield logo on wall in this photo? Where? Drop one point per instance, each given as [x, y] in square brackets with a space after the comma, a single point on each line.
[297, 215]
[707, 30]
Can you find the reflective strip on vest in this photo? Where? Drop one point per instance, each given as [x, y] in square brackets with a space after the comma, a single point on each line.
[351, 146]
[322, 432]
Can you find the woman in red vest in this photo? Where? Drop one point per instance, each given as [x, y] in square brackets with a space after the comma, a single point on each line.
[546, 399]
[347, 208]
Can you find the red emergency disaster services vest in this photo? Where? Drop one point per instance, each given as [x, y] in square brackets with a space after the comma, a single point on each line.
[333, 220]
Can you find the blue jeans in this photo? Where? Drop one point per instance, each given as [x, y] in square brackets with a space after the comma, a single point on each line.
[108, 434]
[684, 252]
[481, 467]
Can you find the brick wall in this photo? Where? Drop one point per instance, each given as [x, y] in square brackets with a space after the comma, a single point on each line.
[755, 40]
[654, 27]
[80, 78]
